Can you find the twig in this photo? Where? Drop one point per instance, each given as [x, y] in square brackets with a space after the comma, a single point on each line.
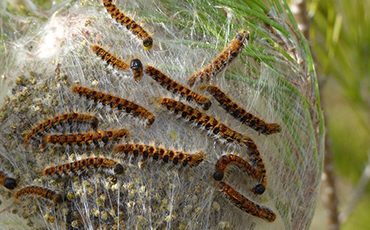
[357, 194]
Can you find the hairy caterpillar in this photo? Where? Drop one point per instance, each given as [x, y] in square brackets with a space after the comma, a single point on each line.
[241, 114]
[176, 88]
[205, 121]
[79, 165]
[39, 191]
[161, 153]
[218, 128]
[137, 69]
[109, 58]
[115, 102]
[221, 61]
[67, 118]
[86, 138]
[130, 24]
[228, 159]
[245, 204]
[7, 181]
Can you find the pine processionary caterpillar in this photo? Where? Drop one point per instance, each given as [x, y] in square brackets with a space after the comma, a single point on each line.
[221, 61]
[39, 191]
[109, 58]
[241, 114]
[137, 69]
[87, 138]
[79, 165]
[245, 204]
[218, 128]
[130, 24]
[203, 120]
[67, 118]
[228, 159]
[115, 102]
[176, 88]
[162, 153]
[7, 181]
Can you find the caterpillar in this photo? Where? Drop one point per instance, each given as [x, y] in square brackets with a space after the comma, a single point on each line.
[67, 118]
[79, 165]
[228, 159]
[205, 121]
[39, 191]
[130, 24]
[245, 204]
[115, 102]
[221, 61]
[137, 69]
[161, 153]
[86, 138]
[176, 88]
[241, 114]
[7, 181]
[109, 58]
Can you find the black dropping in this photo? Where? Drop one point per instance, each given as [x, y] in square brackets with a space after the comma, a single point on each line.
[105, 139]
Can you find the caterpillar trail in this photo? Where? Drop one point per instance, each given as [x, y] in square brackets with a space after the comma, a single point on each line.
[7, 181]
[228, 159]
[52, 123]
[245, 204]
[176, 88]
[161, 153]
[86, 138]
[109, 58]
[241, 114]
[115, 102]
[137, 69]
[130, 24]
[80, 165]
[39, 191]
[221, 61]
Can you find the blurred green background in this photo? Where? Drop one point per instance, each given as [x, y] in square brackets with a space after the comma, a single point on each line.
[340, 41]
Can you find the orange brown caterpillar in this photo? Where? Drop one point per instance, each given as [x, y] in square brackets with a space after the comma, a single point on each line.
[205, 121]
[228, 159]
[176, 88]
[115, 102]
[67, 118]
[218, 128]
[109, 58]
[130, 24]
[245, 204]
[161, 153]
[241, 114]
[39, 191]
[79, 165]
[221, 61]
[7, 181]
[86, 138]
[137, 69]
